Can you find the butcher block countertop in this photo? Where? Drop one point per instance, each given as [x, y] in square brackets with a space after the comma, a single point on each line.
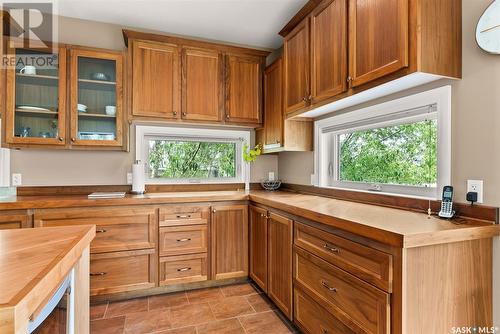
[33, 262]
[396, 227]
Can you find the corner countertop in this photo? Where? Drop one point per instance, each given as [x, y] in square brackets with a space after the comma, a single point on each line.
[395, 227]
[34, 262]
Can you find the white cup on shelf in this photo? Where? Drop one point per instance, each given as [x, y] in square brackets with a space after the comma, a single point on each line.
[30, 70]
[110, 110]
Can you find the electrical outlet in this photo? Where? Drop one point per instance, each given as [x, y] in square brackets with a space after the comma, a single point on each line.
[129, 178]
[17, 180]
[477, 186]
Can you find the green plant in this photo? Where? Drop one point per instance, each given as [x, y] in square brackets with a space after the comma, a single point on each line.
[250, 155]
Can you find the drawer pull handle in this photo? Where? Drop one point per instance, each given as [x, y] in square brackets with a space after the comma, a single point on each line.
[101, 273]
[100, 231]
[183, 239]
[184, 216]
[329, 288]
[184, 269]
[331, 249]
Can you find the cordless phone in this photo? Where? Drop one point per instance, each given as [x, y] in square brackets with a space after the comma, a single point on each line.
[447, 203]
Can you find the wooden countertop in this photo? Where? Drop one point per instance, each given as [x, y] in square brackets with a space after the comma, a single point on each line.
[395, 227]
[34, 262]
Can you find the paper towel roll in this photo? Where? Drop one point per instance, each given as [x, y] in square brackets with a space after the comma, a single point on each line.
[138, 178]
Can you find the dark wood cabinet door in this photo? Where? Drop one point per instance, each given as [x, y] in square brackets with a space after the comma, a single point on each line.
[378, 38]
[202, 84]
[273, 104]
[280, 239]
[258, 246]
[155, 80]
[328, 50]
[243, 89]
[229, 241]
[297, 68]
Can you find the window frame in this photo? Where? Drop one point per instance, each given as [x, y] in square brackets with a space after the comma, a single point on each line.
[145, 132]
[386, 114]
[4, 164]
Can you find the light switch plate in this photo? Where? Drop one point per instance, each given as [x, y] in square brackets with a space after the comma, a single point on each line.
[17, 180]
[129, 178]
[477, 186]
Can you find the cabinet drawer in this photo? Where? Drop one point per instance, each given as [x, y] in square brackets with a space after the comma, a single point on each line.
[369, 264]
[357, 303]
[122, 271]
[312, 318]
[184, 215]
[178, 240]
[183, 269]
[117, 229]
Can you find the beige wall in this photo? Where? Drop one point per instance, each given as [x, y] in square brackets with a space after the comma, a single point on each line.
[51, 167]
[475, 127]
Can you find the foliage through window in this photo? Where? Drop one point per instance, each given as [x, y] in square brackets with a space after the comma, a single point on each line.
[184, 159]
[404, 154]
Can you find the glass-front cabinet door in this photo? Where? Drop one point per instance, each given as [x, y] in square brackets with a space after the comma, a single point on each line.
[96, 110]
[36, 97]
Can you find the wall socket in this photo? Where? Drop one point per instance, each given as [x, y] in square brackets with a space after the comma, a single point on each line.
[476, 186]
[17, 180]
[129, 178]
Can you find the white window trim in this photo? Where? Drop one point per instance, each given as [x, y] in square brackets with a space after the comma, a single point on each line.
[141, 149]
[440, 97]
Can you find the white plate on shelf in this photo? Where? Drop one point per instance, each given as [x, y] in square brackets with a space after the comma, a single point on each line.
[32, 108]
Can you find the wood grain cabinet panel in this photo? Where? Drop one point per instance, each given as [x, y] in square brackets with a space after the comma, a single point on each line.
[14, 219]
[369, 264]
[360, 305]
[183, 240]
[202, 84]
[312, 318]
[328, 50]
[273, 104]
[258, 246]
[229, 241]
[297, 67]
[117, 229]
[123, 271]
[183, 269]
[155, 80]
[180, 215]
[243, 89]
[280, 242]
[378, 38]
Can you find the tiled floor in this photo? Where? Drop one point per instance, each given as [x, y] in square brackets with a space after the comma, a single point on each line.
[226, 310]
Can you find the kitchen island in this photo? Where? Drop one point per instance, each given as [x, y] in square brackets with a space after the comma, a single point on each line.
[34, 263]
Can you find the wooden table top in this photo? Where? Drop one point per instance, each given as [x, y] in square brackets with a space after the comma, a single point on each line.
[34, 261]
[400, 228]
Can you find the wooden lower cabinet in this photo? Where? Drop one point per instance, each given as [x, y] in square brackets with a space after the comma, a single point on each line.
[123, 271]
[258, 246]
[14, 219]
[312, 318]
[280, 241]
[229, 241]
[183, 269]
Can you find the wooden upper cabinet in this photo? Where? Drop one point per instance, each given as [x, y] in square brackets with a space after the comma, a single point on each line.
[328, 49]
[202, 84]
[280, 242]
[258, 246]
[243, 89]
[35, 101]
[155, 80]
[297, 67]
[378, 38]
[229, 241]
[96, 98]
[273, 104]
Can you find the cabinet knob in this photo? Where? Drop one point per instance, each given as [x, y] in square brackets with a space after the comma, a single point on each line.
[214, 211]
[184, 114]
[61, 139]
[73, 139]
[304, 99]
[349, 79]
[174, 113]
[227, 116]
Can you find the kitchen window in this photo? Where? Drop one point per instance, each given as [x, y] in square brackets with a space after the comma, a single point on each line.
[399, 147]
[191, 155]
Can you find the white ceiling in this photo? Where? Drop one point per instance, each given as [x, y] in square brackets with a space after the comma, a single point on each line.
[249, 22]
